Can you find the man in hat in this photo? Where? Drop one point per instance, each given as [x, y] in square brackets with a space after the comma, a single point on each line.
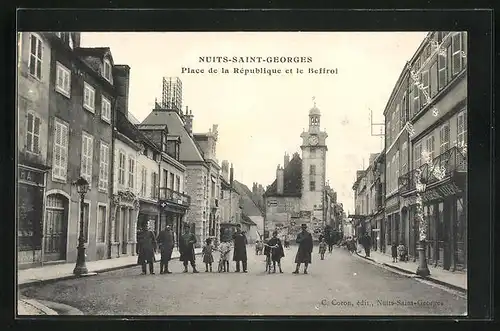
[186, 249]
[305, 241]
[240, 249]
[166, 242]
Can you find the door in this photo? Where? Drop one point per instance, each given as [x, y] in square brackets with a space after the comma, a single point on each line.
[55, 233]
[124, 230]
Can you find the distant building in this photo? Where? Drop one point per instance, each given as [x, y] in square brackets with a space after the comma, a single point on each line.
[252, 216]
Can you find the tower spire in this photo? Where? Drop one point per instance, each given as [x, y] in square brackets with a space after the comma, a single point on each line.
[314, 101]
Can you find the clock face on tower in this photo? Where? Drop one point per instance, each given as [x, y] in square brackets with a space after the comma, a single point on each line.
[313, 140]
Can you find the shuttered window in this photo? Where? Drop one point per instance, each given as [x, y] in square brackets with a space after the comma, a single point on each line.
[121, 168]
[63, 80]
[60, 154]
[33, 133]
[35, 60]
[462, 129]
[87, 154]
[444, 138]
[103, 166]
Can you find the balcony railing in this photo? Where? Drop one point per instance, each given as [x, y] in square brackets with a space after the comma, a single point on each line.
[174, 196]
[451, 161]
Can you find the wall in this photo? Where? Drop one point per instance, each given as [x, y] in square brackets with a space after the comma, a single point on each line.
[121, 146]
[282, 211]
[168, 166]
[312, 198]
[195, 189]
[151, 167]
[33, 95]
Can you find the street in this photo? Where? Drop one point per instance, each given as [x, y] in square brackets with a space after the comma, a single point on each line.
[341, 284]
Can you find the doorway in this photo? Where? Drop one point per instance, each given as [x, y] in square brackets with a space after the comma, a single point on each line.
[56, 228]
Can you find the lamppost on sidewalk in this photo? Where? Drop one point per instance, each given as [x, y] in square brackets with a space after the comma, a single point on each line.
[82, 187]
[422, 269]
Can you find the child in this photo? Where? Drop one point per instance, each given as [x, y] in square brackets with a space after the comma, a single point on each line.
[403, 254]
[225, 249]
[274, 252]
[208, 258]
[322, 248]
[394, 252]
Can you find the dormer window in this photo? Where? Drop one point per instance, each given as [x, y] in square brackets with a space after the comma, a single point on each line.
[107, 70]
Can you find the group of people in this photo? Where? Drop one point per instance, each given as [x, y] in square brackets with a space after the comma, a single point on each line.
[147, 244]
[365, 241]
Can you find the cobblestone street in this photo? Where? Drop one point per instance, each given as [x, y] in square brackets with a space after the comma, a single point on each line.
[341, 284]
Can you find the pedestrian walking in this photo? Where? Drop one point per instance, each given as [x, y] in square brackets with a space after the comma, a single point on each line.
[367, 244]
[305, 241]
[322, 248]
[145, 249]
[186, 249]
[394, 252]
[274, 251]
[165, 241]
[240, 249]
[208, 257]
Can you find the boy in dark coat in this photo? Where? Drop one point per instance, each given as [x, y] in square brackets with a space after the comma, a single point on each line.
[186, 250]
[240, 249]
[145, 249]
[305, 241]
[166, 243]
[275, 254]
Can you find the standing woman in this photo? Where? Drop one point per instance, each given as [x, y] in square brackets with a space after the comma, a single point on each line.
[146, 246]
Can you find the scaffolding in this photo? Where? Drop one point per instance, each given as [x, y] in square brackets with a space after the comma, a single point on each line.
[171, 97]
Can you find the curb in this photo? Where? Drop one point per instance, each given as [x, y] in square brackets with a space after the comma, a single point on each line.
[414, 275]
[46, 310]
[39, 282]
[61, 309]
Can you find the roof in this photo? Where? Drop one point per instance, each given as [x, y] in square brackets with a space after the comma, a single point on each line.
[189, 150]
[249, 206]
[292, 179]
[93, 51]
[246, 220]
[131, 131]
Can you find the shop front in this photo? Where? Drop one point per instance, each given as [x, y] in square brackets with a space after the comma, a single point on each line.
[148, 215]
[30, 210]
[173, 214]
[392, 222]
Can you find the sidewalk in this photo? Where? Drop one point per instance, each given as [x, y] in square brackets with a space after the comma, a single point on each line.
[65, 271]
[456, 280]
[33, 307]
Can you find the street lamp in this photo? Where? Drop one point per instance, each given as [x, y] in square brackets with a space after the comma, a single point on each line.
[422, 269]
[82, 187]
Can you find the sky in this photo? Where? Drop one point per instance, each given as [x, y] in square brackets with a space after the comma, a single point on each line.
[260, 117]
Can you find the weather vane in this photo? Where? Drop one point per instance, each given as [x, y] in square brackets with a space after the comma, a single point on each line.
[314, 100]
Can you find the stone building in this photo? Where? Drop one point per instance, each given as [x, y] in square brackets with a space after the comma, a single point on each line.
[198, 154]
[33, 86]
[297, 195]
[83, 96]
[436, 109]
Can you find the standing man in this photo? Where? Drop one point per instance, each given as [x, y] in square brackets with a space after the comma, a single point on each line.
[367, 243]
[186, 250]
[305, 241]
[145, 249]
[240, 249]
[166, 242]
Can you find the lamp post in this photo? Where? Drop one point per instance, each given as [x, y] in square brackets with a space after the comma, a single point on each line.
[422, 269]
[82, 187]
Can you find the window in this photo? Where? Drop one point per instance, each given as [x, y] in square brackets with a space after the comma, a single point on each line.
[144, 174]
[395, 182]
[416, 97]
[60, 157]
[425, 87]
[86, 216]
[165, 178]
[101, 224]
[172, 178]
[417, 156]
[456, 49]
[103, 166]
[462, 128]
[88, 97]
[404, 165]
[388, 133]
[312, 170]
[444, 138]
[131, 172]
[121, 168]
[404, 109]
[107, 70]
[154, 185]
[87, 149]
[178, 183]
[398, 117]
[442, 71]
[35, 61]
[63, 80]
[433, 80]
[430, 147]
[393, 172]
[33, 133]
[106, 110]
[312, 185]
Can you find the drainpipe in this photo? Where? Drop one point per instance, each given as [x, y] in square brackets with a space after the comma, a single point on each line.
[159, 193]
[111, 180]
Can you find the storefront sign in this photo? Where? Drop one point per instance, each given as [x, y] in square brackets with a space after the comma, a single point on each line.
[31, 176]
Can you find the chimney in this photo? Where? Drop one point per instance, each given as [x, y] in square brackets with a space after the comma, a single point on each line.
[231, 175]
[286, 160]
[254, 188]
[279, 180]
[225, 170]
[121, 78]
[188, 121]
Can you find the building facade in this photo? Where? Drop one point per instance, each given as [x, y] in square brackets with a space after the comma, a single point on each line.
[33, 89]
[297, 195]
[437, 112]
[82, 102]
